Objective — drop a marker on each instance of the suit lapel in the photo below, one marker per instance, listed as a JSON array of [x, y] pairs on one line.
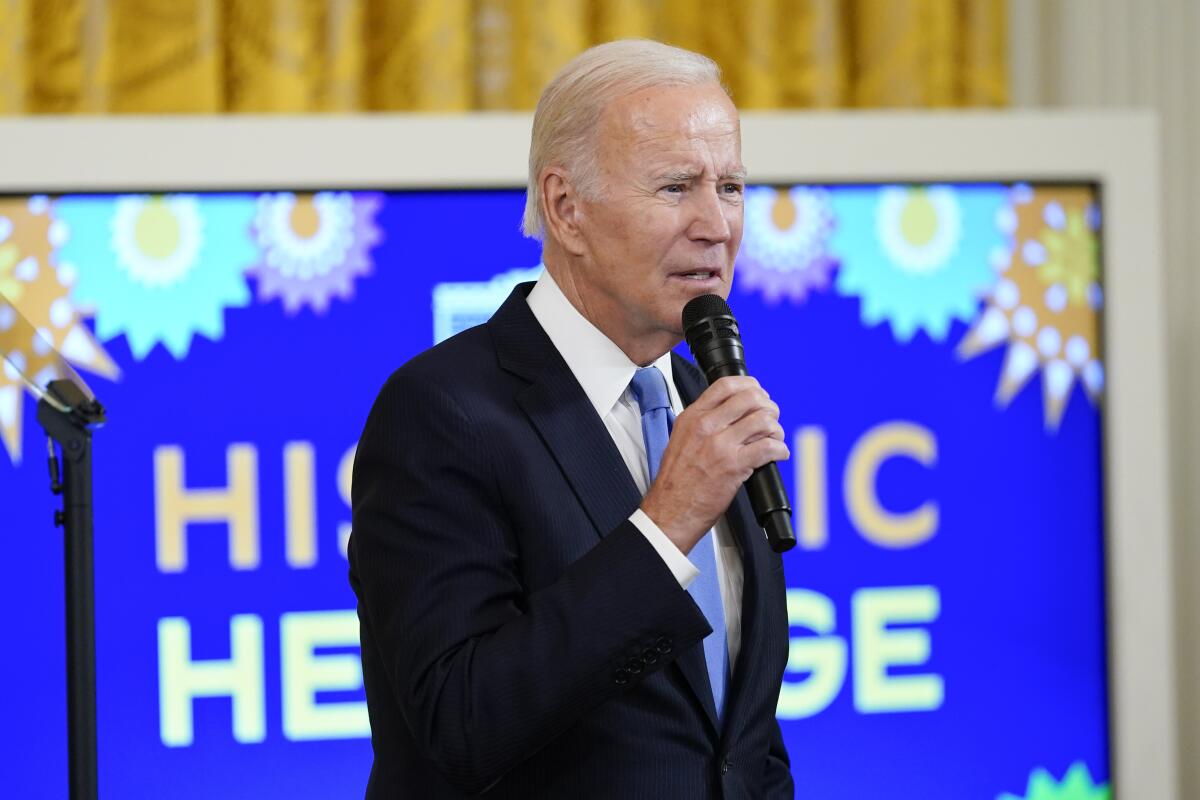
[[582, 446], [749, 537], [563, 416]]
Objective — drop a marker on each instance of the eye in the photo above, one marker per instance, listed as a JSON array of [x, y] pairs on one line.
[[732, 188], [673, 188]]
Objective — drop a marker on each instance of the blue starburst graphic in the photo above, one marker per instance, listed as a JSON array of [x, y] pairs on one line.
[[917, 257], [158, 269]]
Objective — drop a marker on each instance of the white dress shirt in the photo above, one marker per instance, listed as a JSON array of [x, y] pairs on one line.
[[604, 372]]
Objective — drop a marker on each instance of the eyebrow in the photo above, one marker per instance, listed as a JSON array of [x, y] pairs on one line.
[[685, 176]]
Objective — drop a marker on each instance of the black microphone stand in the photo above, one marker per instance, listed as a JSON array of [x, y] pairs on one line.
[[67, 415]]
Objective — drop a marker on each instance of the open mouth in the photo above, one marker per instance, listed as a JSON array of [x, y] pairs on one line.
[[698, 275]]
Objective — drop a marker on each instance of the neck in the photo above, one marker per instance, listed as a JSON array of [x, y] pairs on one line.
[[642, 349]]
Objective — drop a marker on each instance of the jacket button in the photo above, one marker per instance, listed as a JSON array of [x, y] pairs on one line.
[[663, 645], [726, 765], [621, 677], [650, 655], [635, 665]]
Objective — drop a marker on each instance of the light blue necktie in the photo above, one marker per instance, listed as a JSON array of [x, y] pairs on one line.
[[650, 390]]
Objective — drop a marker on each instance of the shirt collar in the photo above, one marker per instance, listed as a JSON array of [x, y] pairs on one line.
[[602, 368]]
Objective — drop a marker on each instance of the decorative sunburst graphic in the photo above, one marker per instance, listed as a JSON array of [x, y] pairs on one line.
[[1077, 784], [158, 269], [313, 246], [10, 257], [784, 246], [38, 289], [917, 257], [1046, 304]]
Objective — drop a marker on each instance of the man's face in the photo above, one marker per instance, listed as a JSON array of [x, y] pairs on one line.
[[668, 221]]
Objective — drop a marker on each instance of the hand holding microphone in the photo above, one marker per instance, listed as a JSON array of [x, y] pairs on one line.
[[729, 436]]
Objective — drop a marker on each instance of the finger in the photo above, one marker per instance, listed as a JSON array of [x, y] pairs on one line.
[[721, 390], [761, 453], [776, 434], [756, 425], [738, 405]]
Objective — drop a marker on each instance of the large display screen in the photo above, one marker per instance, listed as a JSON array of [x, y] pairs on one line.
[[935, 350]]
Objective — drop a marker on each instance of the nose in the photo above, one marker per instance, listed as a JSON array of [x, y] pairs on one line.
[[710, 223]]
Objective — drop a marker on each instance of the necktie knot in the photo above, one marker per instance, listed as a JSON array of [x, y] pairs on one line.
[[649, 387]]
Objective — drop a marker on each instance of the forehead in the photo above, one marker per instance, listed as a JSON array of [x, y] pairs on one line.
[[674, 123]]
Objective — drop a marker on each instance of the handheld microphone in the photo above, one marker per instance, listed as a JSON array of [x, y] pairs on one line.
[[712, 334]]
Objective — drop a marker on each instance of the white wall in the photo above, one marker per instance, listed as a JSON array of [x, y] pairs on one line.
[[1143, 53]]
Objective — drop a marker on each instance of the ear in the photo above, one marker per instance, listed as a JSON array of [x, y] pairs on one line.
[[561, 210]]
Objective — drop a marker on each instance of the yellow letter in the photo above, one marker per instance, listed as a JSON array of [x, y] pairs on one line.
[[236, 505], [344, 476], [301, 504], [809, 472], [873, 521]]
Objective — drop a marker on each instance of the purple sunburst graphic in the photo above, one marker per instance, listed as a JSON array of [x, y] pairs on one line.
[[313, 247], [784, 253]]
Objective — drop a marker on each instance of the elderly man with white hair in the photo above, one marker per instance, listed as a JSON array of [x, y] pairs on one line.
[[561, 586]]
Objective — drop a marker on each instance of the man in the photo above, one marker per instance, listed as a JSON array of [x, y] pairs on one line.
[[556, 600]]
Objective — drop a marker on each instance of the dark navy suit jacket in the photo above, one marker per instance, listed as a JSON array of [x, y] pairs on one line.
[[520, 637]]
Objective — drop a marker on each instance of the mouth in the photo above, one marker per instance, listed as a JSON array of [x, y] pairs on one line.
[[699, 277]]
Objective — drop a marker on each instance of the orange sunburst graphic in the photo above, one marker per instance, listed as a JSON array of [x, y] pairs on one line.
[[1046, 303], [31, 283]]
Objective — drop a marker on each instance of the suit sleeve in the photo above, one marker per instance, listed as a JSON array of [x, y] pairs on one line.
[[483, 672]]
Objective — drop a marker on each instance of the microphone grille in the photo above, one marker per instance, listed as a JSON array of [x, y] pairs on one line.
[[706, 305]]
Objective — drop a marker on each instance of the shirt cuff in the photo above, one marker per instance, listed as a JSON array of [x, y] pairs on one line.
[[684, 571]]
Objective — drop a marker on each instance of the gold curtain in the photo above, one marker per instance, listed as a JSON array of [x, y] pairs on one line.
[[205, 56]]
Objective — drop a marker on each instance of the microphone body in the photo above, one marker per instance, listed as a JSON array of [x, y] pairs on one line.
[[716, 344]]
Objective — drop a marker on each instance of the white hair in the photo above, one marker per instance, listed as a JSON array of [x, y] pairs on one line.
[[570, 108]]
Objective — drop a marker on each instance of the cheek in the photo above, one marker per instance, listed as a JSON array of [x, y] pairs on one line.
[[626, 233], [735, 230], [736, 216], [645, 243], [664, 229]]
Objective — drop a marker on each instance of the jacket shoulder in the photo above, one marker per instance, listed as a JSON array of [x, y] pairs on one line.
[[467, 355]]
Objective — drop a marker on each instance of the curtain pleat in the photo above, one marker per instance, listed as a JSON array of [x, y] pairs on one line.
[[740, 35], [627, 19], [814, 57], [983, 75], [419, 55], [66, 56], [14, 55], [205, 56], [165, 56], [546, 35], [293, 55]]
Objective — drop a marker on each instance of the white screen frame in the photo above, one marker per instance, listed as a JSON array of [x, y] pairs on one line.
[[1117, 150]]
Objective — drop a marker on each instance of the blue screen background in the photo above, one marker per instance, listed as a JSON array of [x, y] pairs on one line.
[[1015, 562]]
